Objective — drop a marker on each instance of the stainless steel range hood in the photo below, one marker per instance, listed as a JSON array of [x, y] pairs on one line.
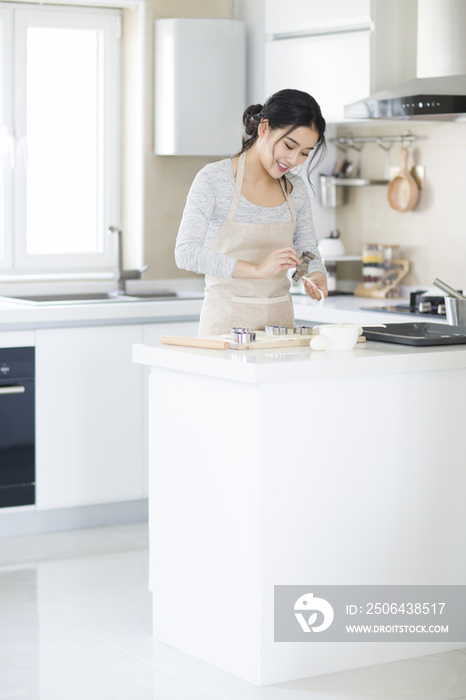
[[439, 91], [423, 98]]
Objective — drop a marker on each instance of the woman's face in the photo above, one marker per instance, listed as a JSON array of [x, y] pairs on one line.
[[280, 153]]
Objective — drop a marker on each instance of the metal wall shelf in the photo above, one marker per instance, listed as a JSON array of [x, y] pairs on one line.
[[332, 194], [349, 140], [352, 181]]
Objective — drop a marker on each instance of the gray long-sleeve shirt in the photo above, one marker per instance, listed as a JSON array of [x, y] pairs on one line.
[[207, 207]]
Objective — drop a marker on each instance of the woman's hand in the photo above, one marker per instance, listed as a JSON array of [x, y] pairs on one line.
[[282, 259], [319, 282]]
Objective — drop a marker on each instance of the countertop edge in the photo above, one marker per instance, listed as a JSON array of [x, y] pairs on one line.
[[303, 363], [81, 323]]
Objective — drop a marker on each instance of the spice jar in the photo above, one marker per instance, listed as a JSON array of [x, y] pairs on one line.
[[389, 251], [373, 263]]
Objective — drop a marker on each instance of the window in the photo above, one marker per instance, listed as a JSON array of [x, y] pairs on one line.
[[60, 137]]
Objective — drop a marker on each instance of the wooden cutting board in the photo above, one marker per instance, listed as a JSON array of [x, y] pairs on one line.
[[225, 342], [264, 341]]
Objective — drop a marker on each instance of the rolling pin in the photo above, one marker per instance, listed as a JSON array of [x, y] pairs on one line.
[[194, 342], [207, 344]]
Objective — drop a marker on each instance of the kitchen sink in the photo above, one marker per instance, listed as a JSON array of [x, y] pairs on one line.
[[160, 295]]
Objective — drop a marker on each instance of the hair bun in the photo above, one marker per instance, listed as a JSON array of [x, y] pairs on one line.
[[255, 109], [250, 118], [251, 112]]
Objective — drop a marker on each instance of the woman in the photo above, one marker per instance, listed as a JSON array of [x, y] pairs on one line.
[[247, 220]]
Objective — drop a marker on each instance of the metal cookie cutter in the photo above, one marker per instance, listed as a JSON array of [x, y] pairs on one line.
[[303, 330], [303, 266], [276, 330], [244, 337]]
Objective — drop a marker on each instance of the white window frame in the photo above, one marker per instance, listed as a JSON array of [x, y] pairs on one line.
[[109, 22]]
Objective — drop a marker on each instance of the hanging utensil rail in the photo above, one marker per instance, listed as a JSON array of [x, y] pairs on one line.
[[349, 139], [344, 143]]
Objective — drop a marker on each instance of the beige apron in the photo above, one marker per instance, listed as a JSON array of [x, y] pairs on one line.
[[251, 303]]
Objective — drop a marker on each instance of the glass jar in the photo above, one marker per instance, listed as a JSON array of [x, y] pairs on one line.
[[389, 251], [373, 263]]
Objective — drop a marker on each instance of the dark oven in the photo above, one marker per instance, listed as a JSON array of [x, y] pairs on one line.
[[17, 427]]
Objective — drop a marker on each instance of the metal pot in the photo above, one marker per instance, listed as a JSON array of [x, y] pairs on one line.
[[331, 195], [456, 311]]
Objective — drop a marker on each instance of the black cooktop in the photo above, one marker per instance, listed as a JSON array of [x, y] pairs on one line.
[[419, 305], [404, 309]]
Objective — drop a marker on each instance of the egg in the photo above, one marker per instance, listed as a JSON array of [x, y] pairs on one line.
[[319, 342]]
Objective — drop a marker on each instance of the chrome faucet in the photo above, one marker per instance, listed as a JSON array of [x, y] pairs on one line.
[[120, 274]]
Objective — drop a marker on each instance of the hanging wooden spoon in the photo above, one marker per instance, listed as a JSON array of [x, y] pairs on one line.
[[403, 190]]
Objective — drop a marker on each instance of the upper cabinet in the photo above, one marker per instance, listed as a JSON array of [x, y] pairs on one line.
[[315, 64], [339, 51], [316, 16], [200, 86]]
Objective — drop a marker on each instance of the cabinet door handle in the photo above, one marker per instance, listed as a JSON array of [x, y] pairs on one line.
[[12, 389]]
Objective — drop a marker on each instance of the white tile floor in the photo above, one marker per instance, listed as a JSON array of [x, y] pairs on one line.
[[75, 623]]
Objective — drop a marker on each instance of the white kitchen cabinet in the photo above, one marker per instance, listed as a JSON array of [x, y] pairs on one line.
[[150, 336], [333, 68], [17, 339], [315, 15], [89, 416], [200, 86], [339, 51]]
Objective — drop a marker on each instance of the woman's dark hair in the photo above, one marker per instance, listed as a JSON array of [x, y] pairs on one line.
[[286, 108]]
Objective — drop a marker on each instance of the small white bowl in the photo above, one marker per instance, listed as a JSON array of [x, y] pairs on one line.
[[341, 337]]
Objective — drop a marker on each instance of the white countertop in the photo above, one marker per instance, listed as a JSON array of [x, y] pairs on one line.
[[340, 309], [299, 364], [348, 309], [23, 316]]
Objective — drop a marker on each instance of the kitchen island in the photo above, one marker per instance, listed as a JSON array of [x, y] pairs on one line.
[[291, 466]]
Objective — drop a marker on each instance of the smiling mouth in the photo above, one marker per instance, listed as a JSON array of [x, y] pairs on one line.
[[281, 167]]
